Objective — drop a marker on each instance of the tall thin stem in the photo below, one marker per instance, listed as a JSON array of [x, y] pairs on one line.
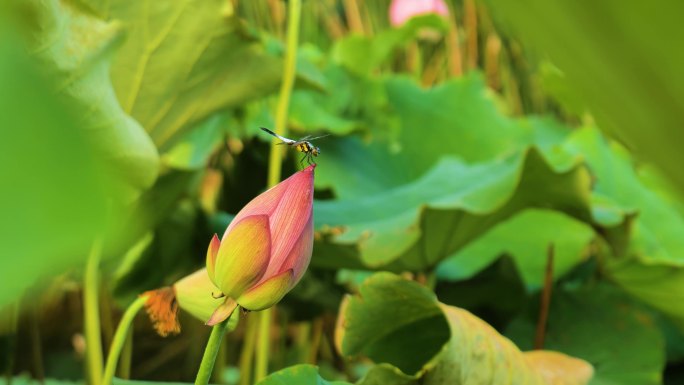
[[274, 169], [315, 341], [470, 24], [91, 314], [274, 161], [545, 300], [248, 350], [210, 353], [263, 345], [119, 339], [124, 367]]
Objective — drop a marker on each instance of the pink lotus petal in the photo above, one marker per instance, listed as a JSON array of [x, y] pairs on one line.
[[263, 204], [299, 257], [212, 251], [267, 202], [289, 219]]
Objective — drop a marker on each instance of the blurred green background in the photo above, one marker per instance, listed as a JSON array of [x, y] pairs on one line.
[[463, 147]]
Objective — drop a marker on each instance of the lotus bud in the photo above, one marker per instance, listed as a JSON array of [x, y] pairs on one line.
[[265, 249]]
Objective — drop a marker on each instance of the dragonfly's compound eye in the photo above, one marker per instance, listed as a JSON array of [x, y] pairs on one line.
[[317, 151]]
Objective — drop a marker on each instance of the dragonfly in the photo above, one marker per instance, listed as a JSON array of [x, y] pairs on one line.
[[302, 145]]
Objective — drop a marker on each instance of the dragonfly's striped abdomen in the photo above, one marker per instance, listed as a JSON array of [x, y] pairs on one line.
[[304, 147]]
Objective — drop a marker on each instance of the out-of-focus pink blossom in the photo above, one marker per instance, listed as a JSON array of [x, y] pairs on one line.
[[265, 249], [402, 10]]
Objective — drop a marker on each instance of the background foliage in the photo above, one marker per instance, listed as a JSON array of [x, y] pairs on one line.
[[461, 150]]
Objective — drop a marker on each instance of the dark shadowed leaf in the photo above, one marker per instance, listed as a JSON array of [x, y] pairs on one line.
[[651, 261], [602, 326]]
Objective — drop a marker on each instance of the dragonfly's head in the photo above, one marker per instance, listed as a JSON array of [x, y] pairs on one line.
[[315, 151]]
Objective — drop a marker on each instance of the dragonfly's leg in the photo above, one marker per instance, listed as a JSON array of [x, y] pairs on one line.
[[301, 161]]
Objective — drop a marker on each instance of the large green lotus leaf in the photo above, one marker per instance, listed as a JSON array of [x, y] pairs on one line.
[[418, 224], [457, 118], [617, 57], [53, 200], [183, 61], [601, 325], [526, 238], [76, 49], [416, 340], [658, 226], [298, 374], [650, 247]]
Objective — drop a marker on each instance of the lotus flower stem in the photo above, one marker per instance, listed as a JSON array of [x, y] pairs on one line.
[[210, 353], [119, 339], [274, 169], [91, 314]]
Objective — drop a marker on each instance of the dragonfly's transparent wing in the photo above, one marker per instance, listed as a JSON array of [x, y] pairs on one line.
[[284, 139], [310, 138]]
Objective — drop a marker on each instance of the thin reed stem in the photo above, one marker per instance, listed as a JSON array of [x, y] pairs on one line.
[[119, 340], [91, 314], [274, 169]]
